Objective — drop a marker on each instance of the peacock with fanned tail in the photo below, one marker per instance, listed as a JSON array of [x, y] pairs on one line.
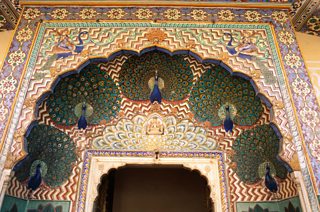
[[82, 123], [155, 93]]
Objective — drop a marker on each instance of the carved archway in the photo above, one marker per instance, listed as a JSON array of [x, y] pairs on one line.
[[209, 167], [276, 105], [106, 189]]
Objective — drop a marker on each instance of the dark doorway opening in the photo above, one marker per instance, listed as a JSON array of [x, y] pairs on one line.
[[153, 188]]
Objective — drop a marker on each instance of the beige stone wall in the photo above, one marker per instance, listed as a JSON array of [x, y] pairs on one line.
[[5, 39], [310, 48]]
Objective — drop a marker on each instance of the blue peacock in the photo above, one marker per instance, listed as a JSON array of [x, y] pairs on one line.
[[155, 93], [82, 123], [228, 123], [35, 181], [269, 181]]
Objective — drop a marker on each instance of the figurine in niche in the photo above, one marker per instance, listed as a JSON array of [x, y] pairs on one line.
[[155, 127]]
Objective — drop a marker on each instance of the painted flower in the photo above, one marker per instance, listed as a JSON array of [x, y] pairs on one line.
[[252, 16], [286, 37], [156, 36], [315, 150], [198, 15], [2, 20], [309, 116], [3, 112], [116, 13], [144, 13], [226, 15], [87, 13], [307, 132], [8, 84], [280, 16], [314, 24], [16, 58], [293, 60], [172, 14], [24, 34], [31, 13], [59, 13], [300, 87]]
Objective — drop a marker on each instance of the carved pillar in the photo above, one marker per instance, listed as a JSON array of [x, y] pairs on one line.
[[303, 195], [4, 181]]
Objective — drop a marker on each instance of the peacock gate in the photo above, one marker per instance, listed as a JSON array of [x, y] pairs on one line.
[[157, 108]]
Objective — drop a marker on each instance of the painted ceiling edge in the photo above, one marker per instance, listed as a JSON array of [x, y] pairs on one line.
[[304, 12], [244, 5]]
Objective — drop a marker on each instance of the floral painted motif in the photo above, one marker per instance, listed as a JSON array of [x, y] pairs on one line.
[[314, 24], [144, 13], [252, 15], [156, 36], [8, 84], [315, 150], [31, 13], [293, 60], [172, 14], [280, 16], [226, 15], [286, 37], [309, 117], [198, 15], [16, 58], [59, 13], [300, 87], [24, 34], [116, 13], [87, 13]]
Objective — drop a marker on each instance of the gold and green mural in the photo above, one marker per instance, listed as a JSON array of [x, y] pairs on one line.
[[206, 59]]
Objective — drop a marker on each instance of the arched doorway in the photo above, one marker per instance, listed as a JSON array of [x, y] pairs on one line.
[[142, 188]]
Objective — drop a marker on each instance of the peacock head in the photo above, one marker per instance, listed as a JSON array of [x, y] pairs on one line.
[[84, 106], [267, 168], [38, 168], [227, 108], [156, 75]]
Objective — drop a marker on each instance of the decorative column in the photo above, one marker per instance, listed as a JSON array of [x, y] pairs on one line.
[[303, 195], [4, 181]]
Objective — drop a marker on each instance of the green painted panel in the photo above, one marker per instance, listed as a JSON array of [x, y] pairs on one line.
[[290, 205], [42, 205], [284, 204], [13, 204]]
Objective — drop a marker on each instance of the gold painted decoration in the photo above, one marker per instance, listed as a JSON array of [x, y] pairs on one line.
[[155, 132]]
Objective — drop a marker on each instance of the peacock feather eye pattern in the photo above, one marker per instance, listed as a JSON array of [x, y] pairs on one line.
[[174, 70], [217, 88], [92, 86], [253, 148], [54, 148]]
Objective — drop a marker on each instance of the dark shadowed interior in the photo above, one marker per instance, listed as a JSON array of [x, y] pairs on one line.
[[153, 189]]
